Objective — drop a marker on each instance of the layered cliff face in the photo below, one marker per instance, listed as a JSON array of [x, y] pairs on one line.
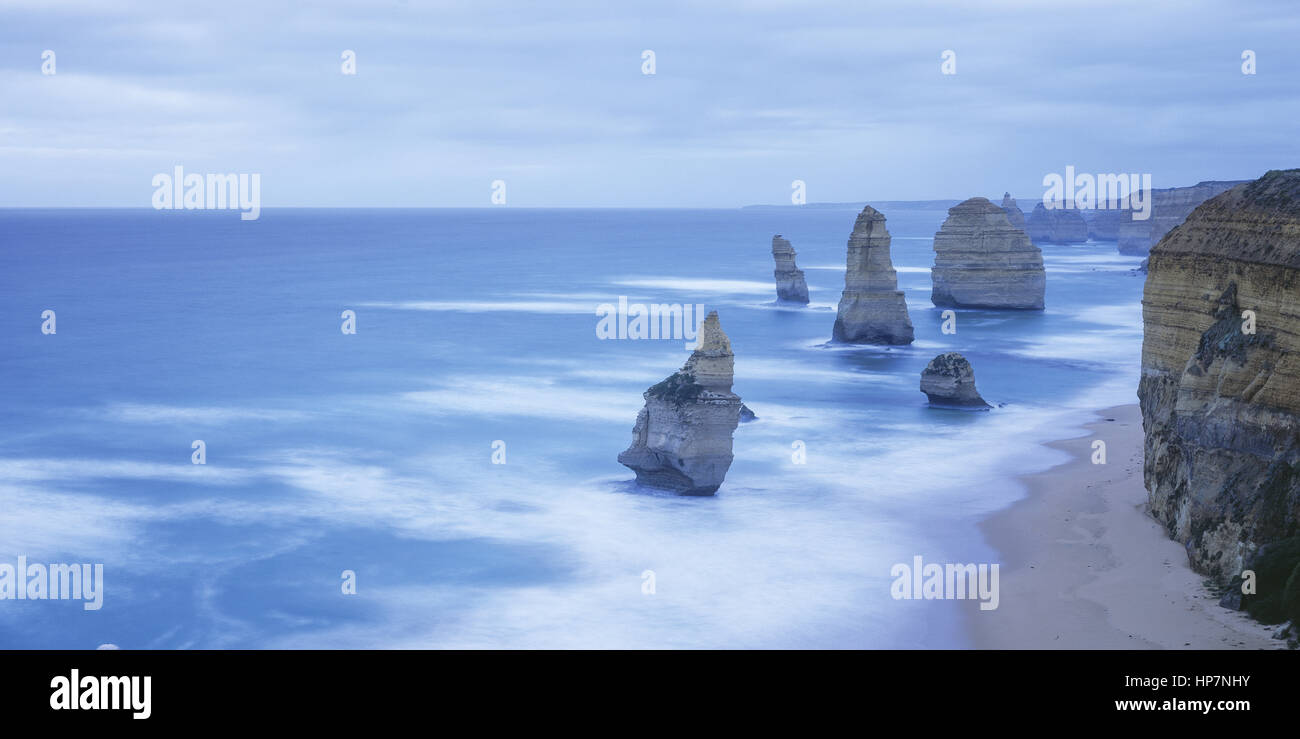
[[872, 309], [1169, 207], [790, 285], [1221, 397], [982, 261], [1059, 225], [1014, 214], [949, 381], [682, 437]]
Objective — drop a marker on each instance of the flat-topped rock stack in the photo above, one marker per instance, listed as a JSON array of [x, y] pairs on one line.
[[1062, 224], [982, 261], [790, 284], [682, 438], [872, 309]]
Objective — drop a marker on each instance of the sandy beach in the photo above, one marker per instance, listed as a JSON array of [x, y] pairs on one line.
[[1085, 567]]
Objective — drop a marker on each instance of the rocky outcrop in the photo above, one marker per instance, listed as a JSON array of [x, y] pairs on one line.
[[1221, 398], [1104, 223], [1169, 207], [1014, 214], [790, 285], [872, 308], [682, 437], [982, 261], [949, 382], [1063, 224]]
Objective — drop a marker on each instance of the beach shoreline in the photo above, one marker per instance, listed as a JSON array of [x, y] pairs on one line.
[[1083, 566]]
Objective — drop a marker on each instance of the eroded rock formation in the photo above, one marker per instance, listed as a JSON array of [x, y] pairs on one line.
[[790, 285], [949, 381], [1014, 214], [1063, 224], [1169, 207], [982, 261], [1104, 223], [872, 309], [1220, 391], [682, 437]]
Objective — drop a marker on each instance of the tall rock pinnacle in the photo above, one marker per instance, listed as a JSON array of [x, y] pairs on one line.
[[682, 437], [790, 285], [872, 308], [1014, 213]]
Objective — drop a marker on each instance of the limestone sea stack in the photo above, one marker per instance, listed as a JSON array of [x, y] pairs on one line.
[[872, 308], [1220, 397], [949, 382], [1169, 207], [682, 437], [1014, 214], [982, 261], [790, 285], [1063, 224]]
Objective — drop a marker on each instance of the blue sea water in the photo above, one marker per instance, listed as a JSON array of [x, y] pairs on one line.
[[372, 452]]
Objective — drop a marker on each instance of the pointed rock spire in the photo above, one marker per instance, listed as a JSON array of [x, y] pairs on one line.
[[872, 308], [790, 284], [682, 437]]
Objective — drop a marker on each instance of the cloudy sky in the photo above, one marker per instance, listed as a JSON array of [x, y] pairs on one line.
[[747, 96]]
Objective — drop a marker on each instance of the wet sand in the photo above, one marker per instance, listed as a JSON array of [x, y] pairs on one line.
[[1085, 567]]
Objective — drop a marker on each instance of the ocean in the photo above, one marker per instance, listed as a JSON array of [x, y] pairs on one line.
[[369, 457]]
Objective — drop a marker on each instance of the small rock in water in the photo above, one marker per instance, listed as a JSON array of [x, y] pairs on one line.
[[948, 381]]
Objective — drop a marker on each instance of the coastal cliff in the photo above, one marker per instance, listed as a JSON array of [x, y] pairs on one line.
[[872, 309], [682, 437], [982, 261], [1220, 391], [1169, 207], [790, 284]]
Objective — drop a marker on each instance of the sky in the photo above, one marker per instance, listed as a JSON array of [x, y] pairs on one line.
[[747, 96]]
